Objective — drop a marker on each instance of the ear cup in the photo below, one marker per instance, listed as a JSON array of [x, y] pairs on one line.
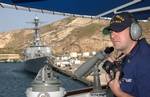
[[135, 31]]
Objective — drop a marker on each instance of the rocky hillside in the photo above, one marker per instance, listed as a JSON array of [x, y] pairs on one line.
[[67, 35]]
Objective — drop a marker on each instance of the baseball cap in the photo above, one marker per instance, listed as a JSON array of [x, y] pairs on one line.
[[121, 21]]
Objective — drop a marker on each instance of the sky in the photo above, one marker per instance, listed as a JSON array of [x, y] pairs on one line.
[[11, 19]]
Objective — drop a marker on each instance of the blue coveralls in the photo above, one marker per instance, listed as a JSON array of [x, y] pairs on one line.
[[136, 70]]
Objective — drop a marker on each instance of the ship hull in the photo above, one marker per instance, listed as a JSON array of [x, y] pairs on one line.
[[34, 65]]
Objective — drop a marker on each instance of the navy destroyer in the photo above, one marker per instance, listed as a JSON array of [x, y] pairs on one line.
[[37, 54]]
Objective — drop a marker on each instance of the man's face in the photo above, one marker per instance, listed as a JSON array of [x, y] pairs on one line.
[[121, 40]]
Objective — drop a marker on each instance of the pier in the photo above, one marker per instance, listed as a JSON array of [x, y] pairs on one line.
[[9, 57]]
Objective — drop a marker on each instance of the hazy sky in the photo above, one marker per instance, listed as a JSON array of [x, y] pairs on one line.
[[11, 19]]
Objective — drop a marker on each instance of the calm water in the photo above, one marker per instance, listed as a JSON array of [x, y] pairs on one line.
[[14, 80]]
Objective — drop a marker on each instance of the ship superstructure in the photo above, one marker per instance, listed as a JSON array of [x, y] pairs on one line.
[[37, 54]]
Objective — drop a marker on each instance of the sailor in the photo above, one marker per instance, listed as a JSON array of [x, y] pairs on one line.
[[125, 34]]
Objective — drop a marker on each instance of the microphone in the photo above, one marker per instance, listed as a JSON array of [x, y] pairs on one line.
[[88, 65]]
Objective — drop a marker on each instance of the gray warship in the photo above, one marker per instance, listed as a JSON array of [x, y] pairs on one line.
[[37, 54]]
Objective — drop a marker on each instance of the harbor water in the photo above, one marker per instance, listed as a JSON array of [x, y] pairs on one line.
[[14, 80]]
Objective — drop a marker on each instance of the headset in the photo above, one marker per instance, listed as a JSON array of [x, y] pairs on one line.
[[135, 30]]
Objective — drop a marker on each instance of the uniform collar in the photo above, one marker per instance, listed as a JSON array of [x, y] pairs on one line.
[[136, 48]]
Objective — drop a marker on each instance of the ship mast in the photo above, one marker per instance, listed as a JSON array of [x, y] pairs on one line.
[[37, 39]]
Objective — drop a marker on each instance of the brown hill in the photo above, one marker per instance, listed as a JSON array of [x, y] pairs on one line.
[[67, 35]]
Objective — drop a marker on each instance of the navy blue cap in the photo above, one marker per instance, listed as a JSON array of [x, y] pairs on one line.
[[121, 21]]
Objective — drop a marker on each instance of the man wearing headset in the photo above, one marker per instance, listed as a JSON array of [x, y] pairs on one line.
[[125, 34]]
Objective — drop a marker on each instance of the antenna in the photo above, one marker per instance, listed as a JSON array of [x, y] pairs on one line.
[[37, 39]]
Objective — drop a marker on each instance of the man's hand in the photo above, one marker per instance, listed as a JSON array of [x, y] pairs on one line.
[[115, 86]]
